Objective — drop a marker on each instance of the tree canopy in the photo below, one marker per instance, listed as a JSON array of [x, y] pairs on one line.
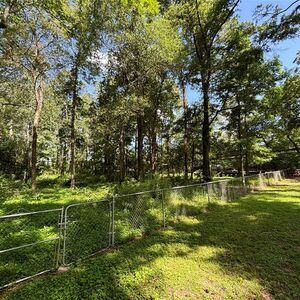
[[100, 88]]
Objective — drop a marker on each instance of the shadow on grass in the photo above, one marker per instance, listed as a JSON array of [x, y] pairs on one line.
[[260, 239]]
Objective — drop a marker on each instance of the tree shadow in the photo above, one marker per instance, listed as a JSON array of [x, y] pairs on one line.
[[259, 238]]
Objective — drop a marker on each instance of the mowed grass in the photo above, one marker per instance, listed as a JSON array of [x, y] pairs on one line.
[[248, 249]]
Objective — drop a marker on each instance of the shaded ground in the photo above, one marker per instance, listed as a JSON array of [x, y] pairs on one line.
[[249, 249]]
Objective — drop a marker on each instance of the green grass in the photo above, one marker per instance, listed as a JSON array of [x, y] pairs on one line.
[[88, 225], [52, 192], [247, 249]]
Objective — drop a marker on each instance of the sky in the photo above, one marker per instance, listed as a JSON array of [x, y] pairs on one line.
[[286, 50]]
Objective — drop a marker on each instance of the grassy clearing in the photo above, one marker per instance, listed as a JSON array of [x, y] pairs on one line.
[[248, 249], [88, 225], [53, 193]]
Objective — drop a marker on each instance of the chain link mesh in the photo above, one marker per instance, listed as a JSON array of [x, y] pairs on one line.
[[87, 230], [184, 201], [137, 214], [28, 244]]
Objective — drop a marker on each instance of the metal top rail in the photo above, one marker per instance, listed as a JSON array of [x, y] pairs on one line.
[[185, 186], [135, 194], [30, 213]]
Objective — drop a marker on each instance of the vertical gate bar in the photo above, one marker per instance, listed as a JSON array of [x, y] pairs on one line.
[[65, 236], [60, 228]]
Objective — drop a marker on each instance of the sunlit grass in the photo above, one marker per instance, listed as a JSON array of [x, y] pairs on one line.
[[248, 249]]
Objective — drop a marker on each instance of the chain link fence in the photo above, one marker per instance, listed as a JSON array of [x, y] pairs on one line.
[[29, 244], [37, 242], [87, 230], [136, 214]]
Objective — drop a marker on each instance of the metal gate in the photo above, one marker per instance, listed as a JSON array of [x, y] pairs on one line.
[[87, 230], [29, 244]]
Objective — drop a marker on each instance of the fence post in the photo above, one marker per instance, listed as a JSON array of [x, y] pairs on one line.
[[113, 222], [65, 221], [61, 229], [207, 188]]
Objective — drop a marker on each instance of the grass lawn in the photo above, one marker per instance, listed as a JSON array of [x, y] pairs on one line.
[[248, 249]]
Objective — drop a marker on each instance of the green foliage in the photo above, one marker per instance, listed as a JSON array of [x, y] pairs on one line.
[[112, 75]]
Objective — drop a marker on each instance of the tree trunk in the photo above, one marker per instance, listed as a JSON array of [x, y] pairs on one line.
[[27, 158], [35, 127], [153, 152], [122, 155], [94, 160], [168, 153], [73, 117], [63, 157], [58, 159], [206, 132], [246, 145], [135, 153], [154, 144], [241, 151], [140, 148], [185, 138], [109, 156], [192, 160], [247, 161]]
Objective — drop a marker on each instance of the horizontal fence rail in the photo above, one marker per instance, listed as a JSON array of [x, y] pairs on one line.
[[33, 243], [29, 244], [87, 228]]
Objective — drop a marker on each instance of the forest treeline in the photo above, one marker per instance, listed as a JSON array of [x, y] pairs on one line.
[[100, 87]]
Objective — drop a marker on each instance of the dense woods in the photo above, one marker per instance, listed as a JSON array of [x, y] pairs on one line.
[[100, 87]]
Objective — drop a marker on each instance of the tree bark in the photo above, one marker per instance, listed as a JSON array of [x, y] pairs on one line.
[[63, 154], [35, 127], [122, 155], [140, 137], [154, 144], [135, 153], [206, 132], [241, 150], [73, 117], [154, 152], [185, 134], [168, 153], [192, 160], [27, 158], [246, 146], [58, 158]]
